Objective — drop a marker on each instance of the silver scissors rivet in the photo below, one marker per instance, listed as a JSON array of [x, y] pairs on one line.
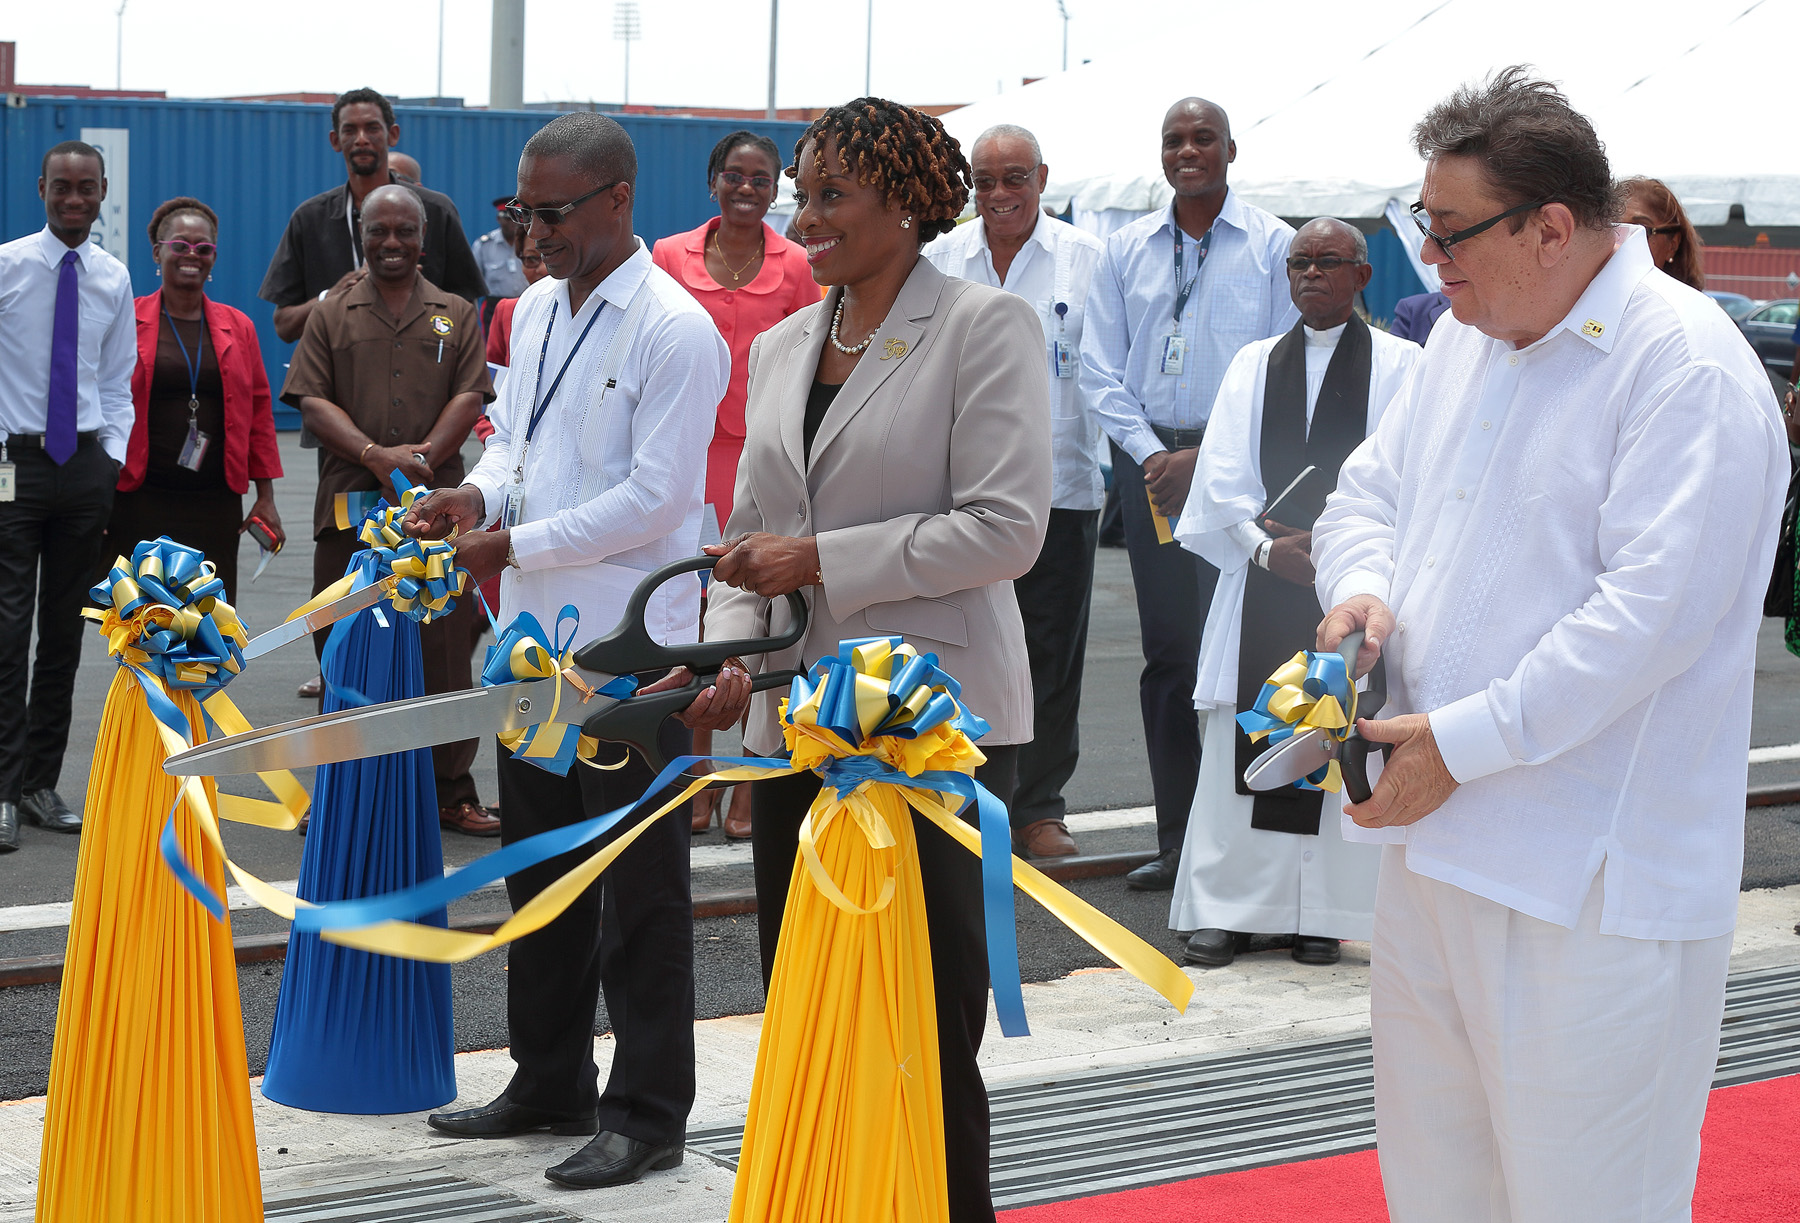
[[524, 704]]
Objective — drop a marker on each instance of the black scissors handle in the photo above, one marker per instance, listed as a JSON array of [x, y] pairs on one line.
[[1353, 762], [630, 650], [637, 720]]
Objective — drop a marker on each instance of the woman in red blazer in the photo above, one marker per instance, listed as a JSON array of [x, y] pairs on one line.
[[204, 427]]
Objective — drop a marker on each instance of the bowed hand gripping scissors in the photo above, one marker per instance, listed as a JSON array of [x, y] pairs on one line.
[[572, 694], [1304, 754]]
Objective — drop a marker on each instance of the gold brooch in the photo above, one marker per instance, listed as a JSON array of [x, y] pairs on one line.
[[1593, 327], [893, 350]]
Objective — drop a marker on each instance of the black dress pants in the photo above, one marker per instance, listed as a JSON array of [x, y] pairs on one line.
[[1053, 600], [951, 878], [446, 648], [1174, 591], [629, 936], [49, 555]]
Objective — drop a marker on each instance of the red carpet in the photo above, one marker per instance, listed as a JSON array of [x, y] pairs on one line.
[[1748, 1174]]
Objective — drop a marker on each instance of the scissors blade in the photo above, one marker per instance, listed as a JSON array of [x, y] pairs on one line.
[[397, 726], [262, 564], [319, 617], [1291, 759]]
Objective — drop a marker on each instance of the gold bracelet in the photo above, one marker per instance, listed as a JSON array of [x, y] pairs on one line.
[[365, 452]]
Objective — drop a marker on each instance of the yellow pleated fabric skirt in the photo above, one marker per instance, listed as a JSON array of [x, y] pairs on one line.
[[846, 1119], [148, 1118]]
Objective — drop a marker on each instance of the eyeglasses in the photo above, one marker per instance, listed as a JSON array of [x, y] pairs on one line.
[[731, 178], [180, 246], [531, 259], [1015, 181], [519, 214], [1446, 241], [1653, 230], [1325, 263]]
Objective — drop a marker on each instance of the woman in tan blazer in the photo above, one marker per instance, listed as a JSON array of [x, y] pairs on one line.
[[896, 472]]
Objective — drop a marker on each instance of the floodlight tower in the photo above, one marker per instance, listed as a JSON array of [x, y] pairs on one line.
[[627, 29]]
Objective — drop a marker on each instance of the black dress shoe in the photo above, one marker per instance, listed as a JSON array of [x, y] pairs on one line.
[[503, 1119], [46, 809], [9, 827], [1311, 949], [1214, 948], [1156, 875], [613, 1159]]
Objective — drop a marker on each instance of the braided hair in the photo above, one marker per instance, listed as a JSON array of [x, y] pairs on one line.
[[738, 139], [903, 151], [181, 203]]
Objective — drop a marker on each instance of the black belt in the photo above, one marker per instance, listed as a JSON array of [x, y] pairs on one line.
[[1179, 439], [35, 441]]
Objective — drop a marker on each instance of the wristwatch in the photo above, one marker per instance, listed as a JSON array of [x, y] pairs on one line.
[[512, 560], [1261, 556]]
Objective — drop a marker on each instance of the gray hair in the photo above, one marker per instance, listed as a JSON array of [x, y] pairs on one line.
[[1531, 144], [1362, 242], [597, 146], [395, 191], [1009, 131]]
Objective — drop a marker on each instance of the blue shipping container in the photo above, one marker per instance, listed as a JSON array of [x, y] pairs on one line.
[[252, 162]]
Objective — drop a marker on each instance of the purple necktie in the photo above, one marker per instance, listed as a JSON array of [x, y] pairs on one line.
[[65, 337]]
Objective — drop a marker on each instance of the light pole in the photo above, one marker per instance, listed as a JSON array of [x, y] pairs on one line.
[[627, 30], [119, 53], [774, 15], [1063, 9], [440, 84], [868, 46]]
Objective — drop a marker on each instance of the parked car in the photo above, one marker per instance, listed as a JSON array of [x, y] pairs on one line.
[[1770, 330], [1734, 304]]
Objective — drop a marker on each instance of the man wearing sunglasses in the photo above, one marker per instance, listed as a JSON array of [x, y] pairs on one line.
[[1277, 863], [1011, 244], [1558, 540]]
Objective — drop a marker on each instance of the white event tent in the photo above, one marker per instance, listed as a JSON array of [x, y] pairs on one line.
[[1323, 96]]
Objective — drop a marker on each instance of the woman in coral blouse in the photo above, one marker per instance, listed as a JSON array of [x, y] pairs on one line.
[[748, 277], [204, 429]]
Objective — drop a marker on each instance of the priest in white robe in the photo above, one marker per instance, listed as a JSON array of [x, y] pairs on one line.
[[1277, 863]]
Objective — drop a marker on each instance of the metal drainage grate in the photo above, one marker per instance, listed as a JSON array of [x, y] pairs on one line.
[[1109, 1130], [415, 1197]]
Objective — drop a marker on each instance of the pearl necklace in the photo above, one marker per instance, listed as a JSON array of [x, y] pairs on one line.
[[848, 351]]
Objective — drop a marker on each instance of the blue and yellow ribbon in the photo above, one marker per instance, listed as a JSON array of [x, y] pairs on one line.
[[1310, 690], [878, 713], [165, 620], [524, 652]]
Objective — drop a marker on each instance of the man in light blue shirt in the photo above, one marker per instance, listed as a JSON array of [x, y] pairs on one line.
[[1176, 294]]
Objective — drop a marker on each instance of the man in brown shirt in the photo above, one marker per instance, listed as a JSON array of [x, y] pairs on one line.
[[391, 375]]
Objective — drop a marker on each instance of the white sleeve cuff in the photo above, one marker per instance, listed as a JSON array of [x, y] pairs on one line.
[[492, 497], [1358, 582], [1469, 739], [1248, 536], [530, 541]]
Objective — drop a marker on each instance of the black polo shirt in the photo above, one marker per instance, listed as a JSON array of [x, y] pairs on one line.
[[316, 248]]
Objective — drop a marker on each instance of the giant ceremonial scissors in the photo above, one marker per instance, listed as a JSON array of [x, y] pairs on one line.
[[1304, 754], [574, 692]]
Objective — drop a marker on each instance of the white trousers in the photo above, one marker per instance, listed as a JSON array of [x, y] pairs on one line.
[[1235, 877], [1526, 1073]]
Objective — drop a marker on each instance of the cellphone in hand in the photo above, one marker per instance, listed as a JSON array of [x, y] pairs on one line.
[[263, 534]]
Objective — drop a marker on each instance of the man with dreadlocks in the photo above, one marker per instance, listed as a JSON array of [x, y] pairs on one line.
[[897, 472]]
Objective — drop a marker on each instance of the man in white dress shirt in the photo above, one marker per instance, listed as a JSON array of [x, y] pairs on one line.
[[1558, 539], [68, 344], [1012, 245], [595, 467], [1176, 294], [1277, 863]]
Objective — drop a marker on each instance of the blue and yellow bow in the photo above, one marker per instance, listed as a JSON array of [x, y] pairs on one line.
[[525, 651], [1310, 690]]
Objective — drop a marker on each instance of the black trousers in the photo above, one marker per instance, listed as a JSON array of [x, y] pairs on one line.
[[630, 936], [1053, 600], [1174, 590], [446, 648], [951, 877], [49, 555]]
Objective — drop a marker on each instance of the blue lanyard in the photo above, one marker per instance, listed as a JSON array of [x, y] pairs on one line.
[[1182, 291], [193, 362], [538, 408]]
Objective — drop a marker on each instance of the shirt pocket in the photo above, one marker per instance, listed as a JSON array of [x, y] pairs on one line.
[[1236, 304], [931, 619], [95, 319]]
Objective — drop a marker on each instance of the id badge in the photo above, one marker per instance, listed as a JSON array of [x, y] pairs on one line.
[[514, 512], [1173, 353], [7, 487], [193, 451], [1062, 353]]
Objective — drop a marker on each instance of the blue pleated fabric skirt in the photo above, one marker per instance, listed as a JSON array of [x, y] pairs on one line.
[[357, 1032]]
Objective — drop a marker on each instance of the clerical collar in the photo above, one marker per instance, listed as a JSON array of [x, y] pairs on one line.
[[1327, 338]]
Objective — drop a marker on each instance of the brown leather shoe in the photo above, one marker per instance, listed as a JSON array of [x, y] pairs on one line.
[[1046, 839], [705, 805], [737, 814], [311, 689], [470, 819]]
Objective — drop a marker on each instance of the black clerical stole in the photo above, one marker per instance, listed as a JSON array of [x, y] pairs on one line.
[[1279, 617]]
